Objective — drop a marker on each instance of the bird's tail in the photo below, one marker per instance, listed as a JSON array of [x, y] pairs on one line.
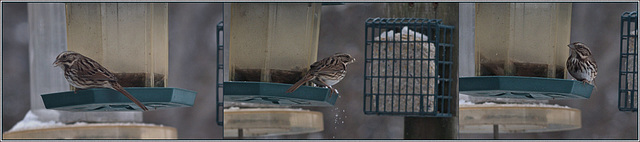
[[297, 85], [116, 86]]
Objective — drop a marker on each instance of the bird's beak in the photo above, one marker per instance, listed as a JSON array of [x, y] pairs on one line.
[[571, 46], [56, 63]]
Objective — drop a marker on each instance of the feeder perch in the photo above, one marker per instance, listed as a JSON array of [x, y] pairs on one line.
[[524, 87], [102, 99], [274, 93]]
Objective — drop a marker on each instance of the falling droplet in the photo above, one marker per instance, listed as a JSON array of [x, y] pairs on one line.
[[342, 122], [343, 110]]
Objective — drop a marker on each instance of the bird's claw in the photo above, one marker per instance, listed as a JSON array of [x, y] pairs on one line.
[[333, 91]]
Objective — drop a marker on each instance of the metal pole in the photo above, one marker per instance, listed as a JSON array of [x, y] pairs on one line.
[[495, 131]]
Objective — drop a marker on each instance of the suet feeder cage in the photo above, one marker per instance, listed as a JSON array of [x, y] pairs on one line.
[[521, 41], [271, 46], [628, 81], [407, 67], [131, 41], [219, 71]]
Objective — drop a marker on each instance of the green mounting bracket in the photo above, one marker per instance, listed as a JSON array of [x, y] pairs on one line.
[[103, 99], [274, 94], [524, 87]]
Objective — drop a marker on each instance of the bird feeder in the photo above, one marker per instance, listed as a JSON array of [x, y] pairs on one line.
[[131, 41], [518, 42], [272, 44], [48, 29], [518, 39], [520, 55]]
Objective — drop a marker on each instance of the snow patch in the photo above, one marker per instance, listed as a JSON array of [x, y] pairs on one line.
[[31, 122]]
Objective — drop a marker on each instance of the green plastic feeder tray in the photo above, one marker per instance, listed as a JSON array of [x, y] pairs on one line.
[[103, 99], [524, 87], [274, 93]]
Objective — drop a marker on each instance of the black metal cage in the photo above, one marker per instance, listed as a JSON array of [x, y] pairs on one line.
[[628, 80], [219, 71], [407, 67]]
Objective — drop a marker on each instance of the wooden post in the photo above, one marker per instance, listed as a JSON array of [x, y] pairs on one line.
[[433, 127]]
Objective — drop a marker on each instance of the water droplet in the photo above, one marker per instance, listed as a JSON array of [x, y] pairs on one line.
[[342, 122], [343, 110], [336, 115]]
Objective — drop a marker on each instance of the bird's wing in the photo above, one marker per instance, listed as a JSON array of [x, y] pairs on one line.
[[326, 65], [93, 70]]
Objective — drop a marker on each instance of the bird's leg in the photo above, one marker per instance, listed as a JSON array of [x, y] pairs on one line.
[[75, 90], [584, 82], [330, 88]]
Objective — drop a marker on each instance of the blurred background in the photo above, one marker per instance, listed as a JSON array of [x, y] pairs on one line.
[[192, 66]]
